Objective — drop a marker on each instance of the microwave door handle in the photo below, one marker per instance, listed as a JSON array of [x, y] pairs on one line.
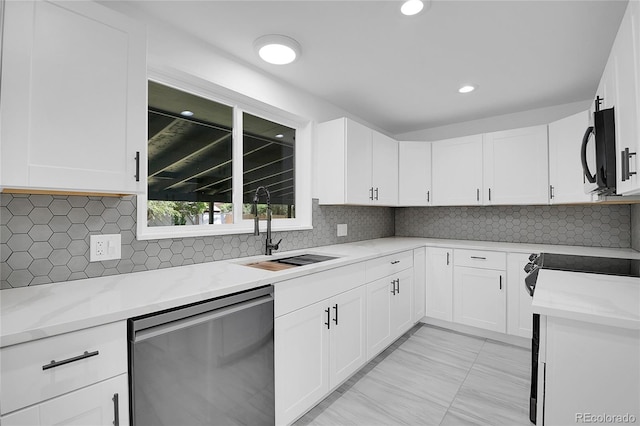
[[583, 156]]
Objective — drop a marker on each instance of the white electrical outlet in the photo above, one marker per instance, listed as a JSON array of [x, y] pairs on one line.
[[105, 247], [342, 230]]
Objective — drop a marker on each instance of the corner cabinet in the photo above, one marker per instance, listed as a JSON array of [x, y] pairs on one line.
[[73, 98], [515, 164], [356, 165], [414, 174]]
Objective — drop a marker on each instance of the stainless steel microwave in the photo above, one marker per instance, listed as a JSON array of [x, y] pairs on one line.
[[598, 153]]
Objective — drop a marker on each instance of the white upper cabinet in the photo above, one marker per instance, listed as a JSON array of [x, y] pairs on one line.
[[414, 173], [566, 179], [457, 171], [624, 69], [356, 165], [516, 166], [73, 98]]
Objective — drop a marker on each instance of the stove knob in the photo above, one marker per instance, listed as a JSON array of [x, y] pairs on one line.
[[533, 257], [529, 267]]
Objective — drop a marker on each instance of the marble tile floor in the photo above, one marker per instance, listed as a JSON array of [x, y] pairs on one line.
[[433, 376]]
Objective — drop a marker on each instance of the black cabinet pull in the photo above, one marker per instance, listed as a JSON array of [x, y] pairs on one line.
[[428, 196], [336, 313], [551, 192], [328, 323], [371, 193], [393, 287], [479, 257], [500, 282], [54, 363], [447, 258], [478, 194], [489, 194], [394, 262], [625, 163], [137, 166], [116, 410], [376, 193], [398, 284]]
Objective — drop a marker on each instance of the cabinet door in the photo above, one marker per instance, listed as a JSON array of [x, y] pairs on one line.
[[457, 171], [347, 334], [73, 97], [378, 315], [358, 187], [566, 179], [414, 173], [301, 360], [479, 298], [516, 166], [625, 56], [401, 304], [519, 311], [439, 285], [419, 283], [384, 170], [98, 404]]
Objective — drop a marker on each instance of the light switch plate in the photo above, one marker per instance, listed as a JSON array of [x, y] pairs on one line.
[[342, 230], [105, 247]]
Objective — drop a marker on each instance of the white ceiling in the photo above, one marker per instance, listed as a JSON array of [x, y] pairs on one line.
[[402, 73]]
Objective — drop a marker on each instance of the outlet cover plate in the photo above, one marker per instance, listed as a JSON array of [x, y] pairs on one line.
[[105, 247], [342, 230]]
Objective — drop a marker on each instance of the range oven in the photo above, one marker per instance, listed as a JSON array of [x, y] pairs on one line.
[[571, 263]]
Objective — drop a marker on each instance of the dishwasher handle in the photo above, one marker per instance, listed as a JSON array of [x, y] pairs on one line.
[[148, 333]]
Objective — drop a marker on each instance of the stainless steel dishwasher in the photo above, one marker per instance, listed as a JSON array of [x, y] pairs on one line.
[[209, 363]]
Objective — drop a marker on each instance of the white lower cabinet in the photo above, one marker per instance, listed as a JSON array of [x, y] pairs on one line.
[[388, 310], [316, 348], [105, 403], [479, 289], [439, 283], [419, 283], [519, 312]]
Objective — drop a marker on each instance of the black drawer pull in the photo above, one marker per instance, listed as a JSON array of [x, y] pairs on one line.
[[395, 262], [116, 410], [137, 158], [54, 363], [479, 257]]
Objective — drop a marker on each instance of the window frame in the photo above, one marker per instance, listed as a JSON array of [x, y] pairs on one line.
[[240, 105]]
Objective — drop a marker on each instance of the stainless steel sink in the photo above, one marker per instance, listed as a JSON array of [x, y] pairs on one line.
[[290, 262]]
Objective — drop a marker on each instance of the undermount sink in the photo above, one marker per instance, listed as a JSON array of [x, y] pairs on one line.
[[290, 262]]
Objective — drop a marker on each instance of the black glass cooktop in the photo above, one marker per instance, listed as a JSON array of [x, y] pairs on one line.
[[589, 264]]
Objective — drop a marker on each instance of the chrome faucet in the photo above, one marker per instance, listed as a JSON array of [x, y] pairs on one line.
[[268, 246]]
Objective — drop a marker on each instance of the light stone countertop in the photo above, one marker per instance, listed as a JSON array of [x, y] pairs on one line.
[[595, 298], [32, 313]]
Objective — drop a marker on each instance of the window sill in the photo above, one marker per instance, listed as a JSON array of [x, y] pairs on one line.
[[164, 232]]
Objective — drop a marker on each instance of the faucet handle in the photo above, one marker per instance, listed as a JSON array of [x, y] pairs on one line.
[[276, 246]]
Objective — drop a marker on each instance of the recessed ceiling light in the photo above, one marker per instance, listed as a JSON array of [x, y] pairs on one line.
[[277, 49], [466, 89], [279, 136], [411, 7], [187, 113]]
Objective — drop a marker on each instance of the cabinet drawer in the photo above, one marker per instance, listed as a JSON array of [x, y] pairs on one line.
[[29, 377], [480, 259], [387, 265], [303, 291]]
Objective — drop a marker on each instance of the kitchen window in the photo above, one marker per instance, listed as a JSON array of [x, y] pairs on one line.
[[207, 155]]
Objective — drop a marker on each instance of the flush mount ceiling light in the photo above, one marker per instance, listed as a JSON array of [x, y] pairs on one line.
[[467, 88], [411, 7], [277, 49]]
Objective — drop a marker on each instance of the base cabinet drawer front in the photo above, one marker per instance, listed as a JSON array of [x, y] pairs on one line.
[[479, 298], [387, 265], [299, 292], [480, 259], [102, 404], [80, 358]]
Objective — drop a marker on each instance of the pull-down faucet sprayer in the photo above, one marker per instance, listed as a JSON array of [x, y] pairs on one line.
[[269, 246]]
